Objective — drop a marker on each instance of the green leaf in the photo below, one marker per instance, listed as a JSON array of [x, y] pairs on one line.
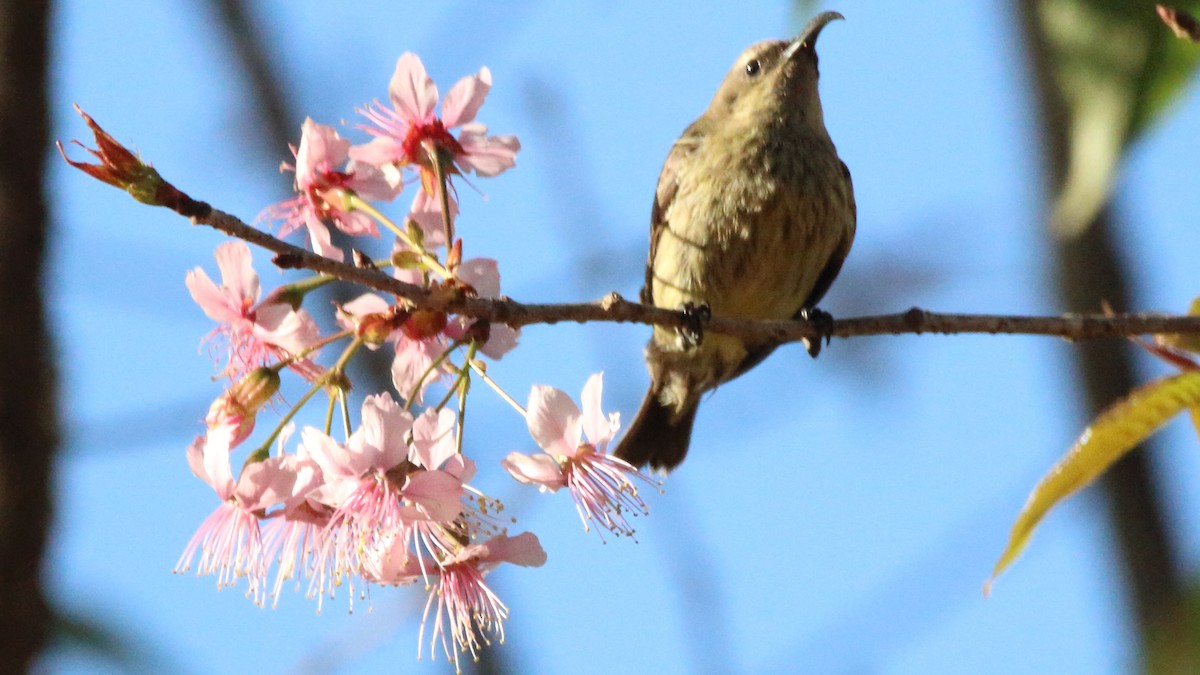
[[1115, 432], [1116, 68]]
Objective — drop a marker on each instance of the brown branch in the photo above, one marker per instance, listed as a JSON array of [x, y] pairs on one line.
[[615, 308]]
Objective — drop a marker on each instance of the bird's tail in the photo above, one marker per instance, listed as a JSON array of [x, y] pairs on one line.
[[660, 433]]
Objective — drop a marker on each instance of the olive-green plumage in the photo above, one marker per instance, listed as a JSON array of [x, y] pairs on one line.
[[753, 216]]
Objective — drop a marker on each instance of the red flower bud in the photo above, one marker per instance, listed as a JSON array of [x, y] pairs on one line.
[[121, 168], [423, 324]]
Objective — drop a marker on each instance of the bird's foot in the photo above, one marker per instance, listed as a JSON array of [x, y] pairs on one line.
[[823, 322], [692, 332]]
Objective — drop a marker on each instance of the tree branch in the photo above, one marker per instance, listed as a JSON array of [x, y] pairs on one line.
[[615, 308]]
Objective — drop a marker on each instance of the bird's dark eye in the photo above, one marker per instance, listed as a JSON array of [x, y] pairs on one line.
[[753, 67]]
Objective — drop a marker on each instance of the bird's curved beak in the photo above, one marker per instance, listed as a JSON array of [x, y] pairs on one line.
[[808, 36]]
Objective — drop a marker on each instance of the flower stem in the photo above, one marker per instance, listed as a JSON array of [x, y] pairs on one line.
[[304, 353], [329, 414], [482, 371], [264, 450], [355, 202], [345, 401], [439, 171], [331, 376], [462, 398], [462, 374], [437, 363]]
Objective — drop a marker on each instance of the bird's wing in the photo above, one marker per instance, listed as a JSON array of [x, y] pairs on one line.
[[668, 183], [834, 264]]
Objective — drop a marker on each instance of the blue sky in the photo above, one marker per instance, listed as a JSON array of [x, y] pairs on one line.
[[834, 515]]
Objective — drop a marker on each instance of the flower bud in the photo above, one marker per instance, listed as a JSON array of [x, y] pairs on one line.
[[237, 407], [121, 168], [423, 324], [255, 389]]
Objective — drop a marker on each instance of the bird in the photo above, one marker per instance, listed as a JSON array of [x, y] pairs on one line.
[[753, 216]]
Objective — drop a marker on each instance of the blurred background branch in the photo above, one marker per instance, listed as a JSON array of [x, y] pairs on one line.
[[1103, 71]]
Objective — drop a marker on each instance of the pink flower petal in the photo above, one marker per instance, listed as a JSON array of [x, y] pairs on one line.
[[437, 492], [195, 459], [539, 469], [461, 467], [553, 420], [237, 273], [464, 99], [598, 428], [486, 155], [370, 183], [355, 223], [328, 454], [426, 210], [322, 242], [433, 438], [267, 483], [282, 326], [413, 359], [379, 151], [216, 304], [218, 443], [394, 565], [483, 274], [502, 339], [334, 492], [523, 549], [412, 91], [368, 303], [321, 150], [381, 438]]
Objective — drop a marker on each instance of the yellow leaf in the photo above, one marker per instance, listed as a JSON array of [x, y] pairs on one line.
[[1115, 432], [1189, 342]]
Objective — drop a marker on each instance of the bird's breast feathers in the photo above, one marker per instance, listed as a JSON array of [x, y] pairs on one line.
[[751, 243]]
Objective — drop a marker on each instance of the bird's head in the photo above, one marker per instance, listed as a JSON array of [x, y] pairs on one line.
[[775, 77]]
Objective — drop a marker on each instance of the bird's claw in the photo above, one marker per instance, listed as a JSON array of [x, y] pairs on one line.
[[823, 322], [692, 332]]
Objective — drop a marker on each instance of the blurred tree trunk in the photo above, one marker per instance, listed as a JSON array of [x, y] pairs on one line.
[[1088, 271], [28, 420]]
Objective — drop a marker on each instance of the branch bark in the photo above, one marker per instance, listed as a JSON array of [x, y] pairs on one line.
[[614, 308]]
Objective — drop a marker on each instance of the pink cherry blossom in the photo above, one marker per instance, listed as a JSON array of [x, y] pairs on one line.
[[465, 610], [229, 540], [292, 540], [438, 522], [407, 133], [413, 368], [442, 518], [416, 364], [420, 347], [483, 275], [291, 537], [599, 483], [320, 184], [356, 485], [254, 334], [384, 504]]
